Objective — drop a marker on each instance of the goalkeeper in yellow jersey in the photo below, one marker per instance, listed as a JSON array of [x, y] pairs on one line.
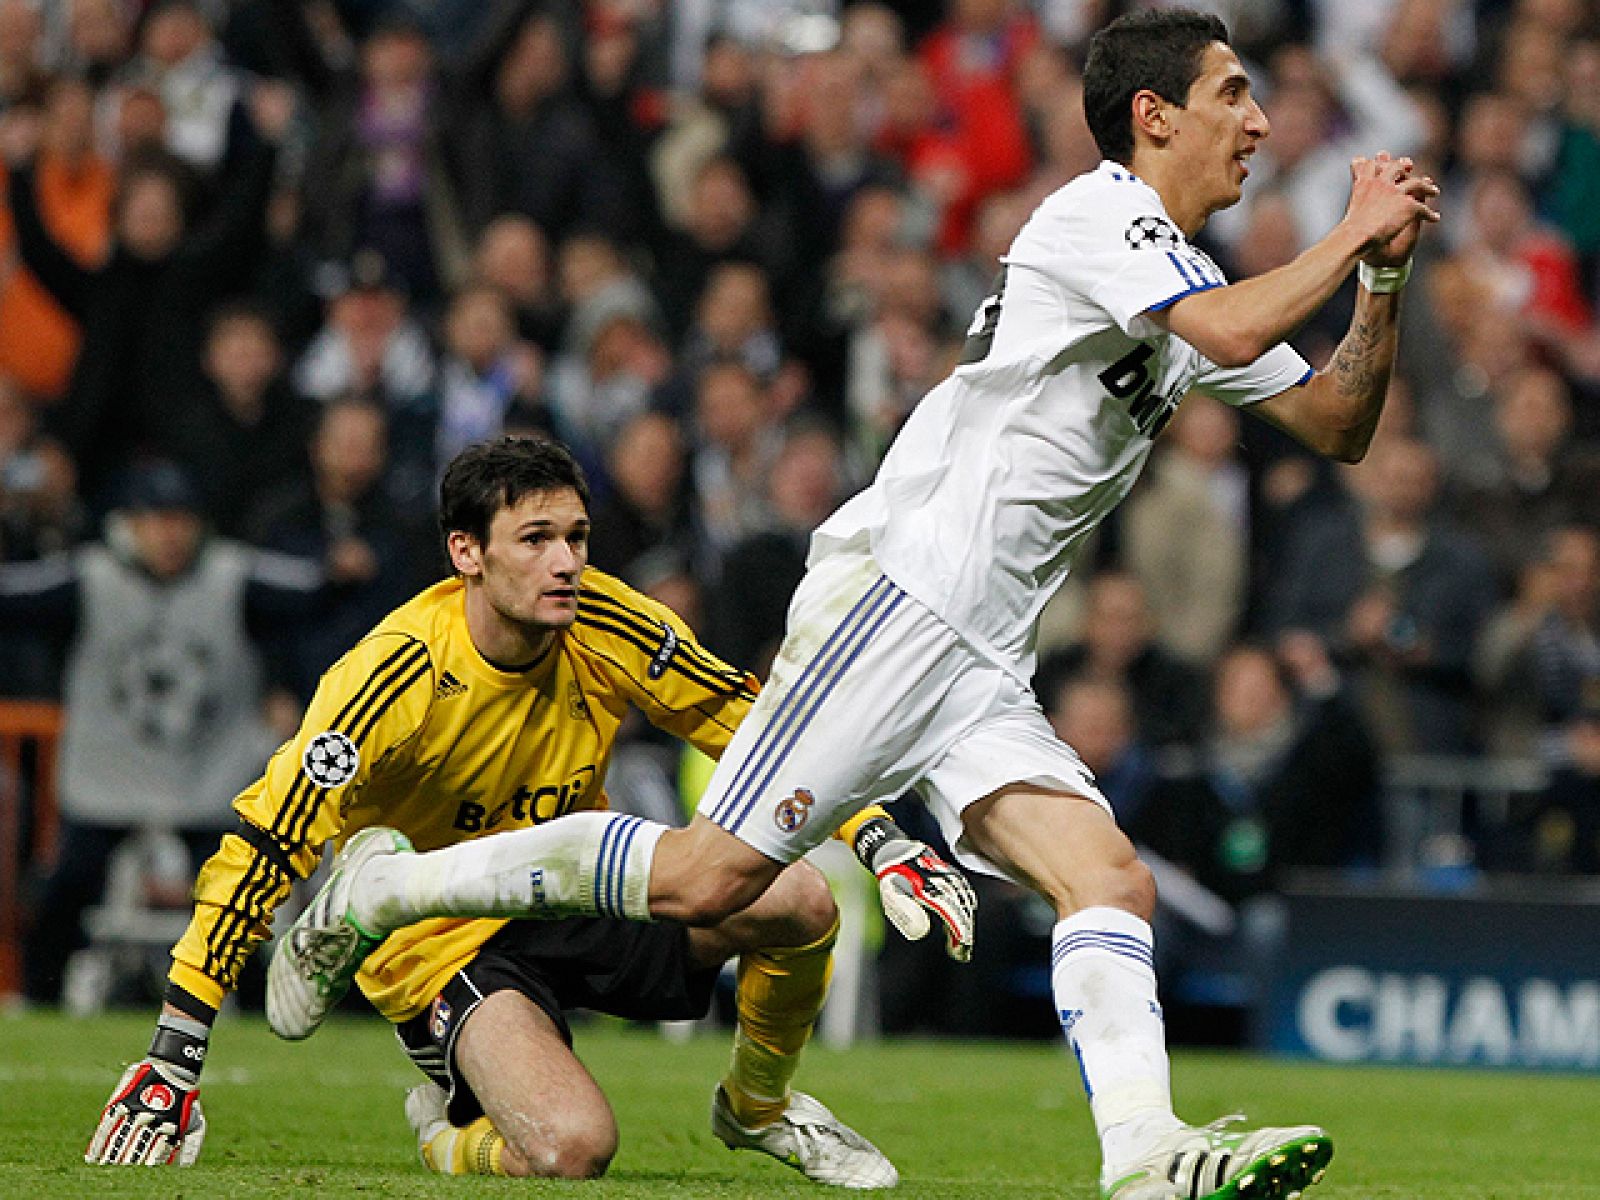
[[486, 706]]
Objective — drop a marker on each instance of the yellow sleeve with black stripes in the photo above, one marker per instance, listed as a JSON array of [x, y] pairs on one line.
[[651, 655], [368, 705]]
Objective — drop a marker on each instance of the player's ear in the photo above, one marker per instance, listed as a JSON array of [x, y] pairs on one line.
[[1150, 116], [465, 553]]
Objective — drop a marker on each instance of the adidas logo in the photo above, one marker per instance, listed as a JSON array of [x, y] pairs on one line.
[[449, 686]]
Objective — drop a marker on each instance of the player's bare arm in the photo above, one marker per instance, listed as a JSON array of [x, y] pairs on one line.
[[1336, 412], [1235, 325]]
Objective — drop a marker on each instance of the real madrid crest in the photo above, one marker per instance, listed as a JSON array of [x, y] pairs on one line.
[[794, 811]]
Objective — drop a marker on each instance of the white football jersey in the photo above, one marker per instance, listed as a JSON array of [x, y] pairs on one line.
[[1005, 468]]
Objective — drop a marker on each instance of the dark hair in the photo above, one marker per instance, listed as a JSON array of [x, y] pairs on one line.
[[489, 476], [1160, 51]]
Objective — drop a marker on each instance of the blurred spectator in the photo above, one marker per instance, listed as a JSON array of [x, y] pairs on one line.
[[737, 444], [99, 33], [734, 320], [379, 176], [1523, 269], [1459, 369], [39, 512], [38, 342], [1186, 531], [970, 280], [142, 312], [486, 371], [244, 430], [1536, 479], [1431, 42], [533, 148], [164, 688], [645, 511], [815, 153], [179, 56], [1096, 718], [748, 604], [20, 43], [1400, 593], [513, 257], [1575, 182], [1287, 777], [372, 346], [343, 517], [1119, 643], [972, 59], [719, 226], [597, 283], [615, 360], [1565, 652]]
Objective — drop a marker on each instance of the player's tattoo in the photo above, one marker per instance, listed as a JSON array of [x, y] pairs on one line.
[[1360, 365]]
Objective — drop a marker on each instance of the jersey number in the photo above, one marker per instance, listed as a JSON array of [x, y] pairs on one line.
[[1129, 379], [980, 334]]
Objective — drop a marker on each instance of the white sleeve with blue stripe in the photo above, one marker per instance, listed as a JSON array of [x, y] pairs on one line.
[[1278, 370], [1115, 247]]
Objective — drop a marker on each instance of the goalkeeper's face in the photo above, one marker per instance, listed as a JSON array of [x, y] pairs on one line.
[[530, 566]]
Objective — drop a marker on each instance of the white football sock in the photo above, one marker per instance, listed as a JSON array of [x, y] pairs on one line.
[[590, 864], [1104, 978]]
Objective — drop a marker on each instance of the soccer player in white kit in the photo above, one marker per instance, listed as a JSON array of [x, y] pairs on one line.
[[911, 640]]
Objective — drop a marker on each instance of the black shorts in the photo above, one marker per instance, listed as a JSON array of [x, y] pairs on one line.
[[642, 972]]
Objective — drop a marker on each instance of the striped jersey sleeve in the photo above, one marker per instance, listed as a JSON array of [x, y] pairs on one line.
[[651, 655], [370, 703]]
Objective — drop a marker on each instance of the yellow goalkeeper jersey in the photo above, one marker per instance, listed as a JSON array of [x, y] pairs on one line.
[[413, 728]]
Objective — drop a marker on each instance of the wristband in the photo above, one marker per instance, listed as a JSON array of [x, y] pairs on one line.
[[180, 1042], [870, 837], [1381, 281]]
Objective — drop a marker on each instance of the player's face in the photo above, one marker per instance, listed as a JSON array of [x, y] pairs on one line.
[[1218, 129], [533, 560]]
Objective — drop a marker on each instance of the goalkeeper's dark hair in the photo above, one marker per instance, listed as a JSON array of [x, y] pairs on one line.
[[489, 476], [1159, 51]]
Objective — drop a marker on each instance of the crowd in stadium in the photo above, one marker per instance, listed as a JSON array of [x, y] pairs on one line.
[[269, 264]]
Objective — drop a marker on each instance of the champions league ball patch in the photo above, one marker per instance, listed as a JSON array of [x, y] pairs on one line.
[[331, 759], [1154, 232]]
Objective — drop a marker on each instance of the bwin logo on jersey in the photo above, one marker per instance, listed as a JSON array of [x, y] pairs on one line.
[[331, 759], [1154, 232]]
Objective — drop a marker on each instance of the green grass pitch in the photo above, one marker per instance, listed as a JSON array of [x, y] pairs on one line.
[[961, 1120]]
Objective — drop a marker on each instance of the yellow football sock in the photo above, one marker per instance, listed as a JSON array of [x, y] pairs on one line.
[[472, 1150], [779, 995]]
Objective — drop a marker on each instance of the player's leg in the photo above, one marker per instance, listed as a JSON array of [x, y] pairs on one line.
[[1042, 822], [523, 1104], [554, 1118], [1103, 975], [784, 944], [507, 1094]]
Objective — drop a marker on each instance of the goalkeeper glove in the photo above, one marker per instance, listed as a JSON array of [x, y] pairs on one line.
[[153, 1117], [913, 881]]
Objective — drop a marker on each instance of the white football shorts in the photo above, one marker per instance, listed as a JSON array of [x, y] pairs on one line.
[[872, 696]]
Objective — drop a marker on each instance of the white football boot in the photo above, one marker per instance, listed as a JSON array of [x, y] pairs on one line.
[[1210, 1163], [316, 960], [810, 1139]]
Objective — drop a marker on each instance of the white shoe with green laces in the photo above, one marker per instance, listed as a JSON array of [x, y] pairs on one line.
[[1211, 1163], [810, 1139], [314, 962]]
